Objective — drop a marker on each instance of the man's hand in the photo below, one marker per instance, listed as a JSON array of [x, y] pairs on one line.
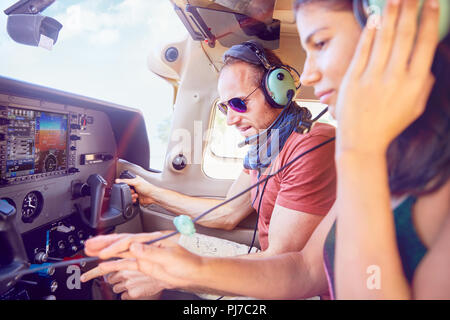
[[144, 190]]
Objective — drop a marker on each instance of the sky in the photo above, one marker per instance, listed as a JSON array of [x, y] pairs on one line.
[[101, 53]]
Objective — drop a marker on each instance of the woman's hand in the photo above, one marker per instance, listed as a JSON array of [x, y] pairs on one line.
[[135, 285], [163, 260], [116, 245], [389, 80], [144, 190]]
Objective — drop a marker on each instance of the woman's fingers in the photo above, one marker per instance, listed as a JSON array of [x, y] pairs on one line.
[[427, 41], [405, 35], [123, 244], [115, 277], [385, 35], [96, 244], [363, 50], [91, 274], [392, 47], [105, 268], [118, 288]]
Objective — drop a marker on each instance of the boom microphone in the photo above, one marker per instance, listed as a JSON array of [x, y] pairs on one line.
[[252, 139]]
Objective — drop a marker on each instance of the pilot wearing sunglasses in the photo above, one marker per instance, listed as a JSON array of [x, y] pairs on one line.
[[256, 94]]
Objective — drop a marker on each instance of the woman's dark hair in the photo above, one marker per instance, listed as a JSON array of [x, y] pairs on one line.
[[419, 158]]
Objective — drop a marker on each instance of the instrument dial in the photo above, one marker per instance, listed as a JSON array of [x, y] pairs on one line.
[[31, 206], [50, 163]]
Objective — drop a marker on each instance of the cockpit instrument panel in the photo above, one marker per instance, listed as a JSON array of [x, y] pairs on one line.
[[33, 144]]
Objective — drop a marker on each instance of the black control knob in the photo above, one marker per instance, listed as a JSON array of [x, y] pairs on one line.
[[81, 235], [62, 245], [179, 162], [74, 137], [73, 170], [75, 126], [80, 190], [73, 148], [4, 121], [107, 157], [128, 175]]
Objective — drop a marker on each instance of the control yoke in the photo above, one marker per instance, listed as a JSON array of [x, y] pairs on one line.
[[13, 257], [120, 209]]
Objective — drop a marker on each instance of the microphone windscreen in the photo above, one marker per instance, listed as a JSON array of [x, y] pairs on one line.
[[242, 144]]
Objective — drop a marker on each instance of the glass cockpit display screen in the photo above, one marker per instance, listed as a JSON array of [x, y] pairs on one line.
[[36, 142]]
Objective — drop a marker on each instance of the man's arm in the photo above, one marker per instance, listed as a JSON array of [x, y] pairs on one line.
[[289, 231], [293, 275], [225, 217]]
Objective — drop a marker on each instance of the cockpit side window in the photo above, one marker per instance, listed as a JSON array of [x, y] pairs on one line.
[[223, 159]]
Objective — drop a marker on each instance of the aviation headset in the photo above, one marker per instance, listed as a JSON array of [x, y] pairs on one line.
[[278, 83], [363, 8]]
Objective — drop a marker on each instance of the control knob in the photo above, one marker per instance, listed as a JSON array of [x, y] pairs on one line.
[[41, 257]]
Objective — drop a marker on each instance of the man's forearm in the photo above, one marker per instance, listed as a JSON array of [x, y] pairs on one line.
[[181, 204]]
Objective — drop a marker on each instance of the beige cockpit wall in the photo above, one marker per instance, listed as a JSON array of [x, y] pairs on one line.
[[194, 75]]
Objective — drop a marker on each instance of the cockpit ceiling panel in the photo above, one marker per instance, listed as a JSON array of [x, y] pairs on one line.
[[261, 10]]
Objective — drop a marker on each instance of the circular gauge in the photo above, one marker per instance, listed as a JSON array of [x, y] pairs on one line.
[[32, 206], [50, 163]]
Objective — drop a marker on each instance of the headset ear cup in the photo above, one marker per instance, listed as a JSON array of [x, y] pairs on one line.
[[279, 87], [265, 90], [359, 12], [362, 7]]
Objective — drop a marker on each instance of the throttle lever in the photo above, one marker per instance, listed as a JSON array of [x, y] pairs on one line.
[[128, 175]]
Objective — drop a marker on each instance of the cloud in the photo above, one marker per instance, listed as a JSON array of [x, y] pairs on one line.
[[105, 37], [104, 19]]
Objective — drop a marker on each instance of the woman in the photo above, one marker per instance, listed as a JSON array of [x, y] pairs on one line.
[[392, 151]]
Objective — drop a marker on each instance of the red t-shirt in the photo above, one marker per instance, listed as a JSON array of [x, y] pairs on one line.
[[307, 185]]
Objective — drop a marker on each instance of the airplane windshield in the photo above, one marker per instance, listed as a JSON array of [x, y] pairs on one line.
[[102, 52]]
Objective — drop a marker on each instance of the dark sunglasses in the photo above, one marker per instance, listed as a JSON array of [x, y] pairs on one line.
[[237, 104]]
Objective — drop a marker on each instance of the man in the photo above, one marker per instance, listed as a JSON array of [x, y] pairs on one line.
[[291, 204]]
